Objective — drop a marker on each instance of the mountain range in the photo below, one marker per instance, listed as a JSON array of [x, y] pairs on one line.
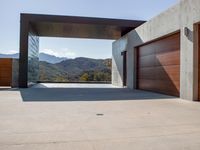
[[76, 70], [42, 56], [9, 55]]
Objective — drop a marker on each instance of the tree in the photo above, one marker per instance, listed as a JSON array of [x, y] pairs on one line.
[[84, 77]]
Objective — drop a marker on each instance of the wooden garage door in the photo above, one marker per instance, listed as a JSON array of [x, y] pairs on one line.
[[158, 66], [5, 72]]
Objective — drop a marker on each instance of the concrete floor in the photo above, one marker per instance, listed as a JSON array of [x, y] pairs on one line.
[[96, 119]]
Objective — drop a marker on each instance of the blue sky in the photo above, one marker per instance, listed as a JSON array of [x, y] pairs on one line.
[[121, 9]]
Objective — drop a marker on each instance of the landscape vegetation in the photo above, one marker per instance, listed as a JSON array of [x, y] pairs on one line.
[[80, 69]]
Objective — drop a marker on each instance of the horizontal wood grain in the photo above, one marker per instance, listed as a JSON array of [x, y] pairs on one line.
[[147, 61], [168, 58], [158, 69], [160, 86], [160, 73], [5, 72], [147, 50], [171, 43]]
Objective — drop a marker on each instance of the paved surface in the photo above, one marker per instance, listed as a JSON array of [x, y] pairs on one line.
[[96, 119]]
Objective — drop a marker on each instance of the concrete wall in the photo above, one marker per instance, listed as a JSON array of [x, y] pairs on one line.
[[183, 15], [117, 61], [15, 73]]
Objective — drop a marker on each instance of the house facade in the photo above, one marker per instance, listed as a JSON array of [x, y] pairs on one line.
[[162, 54]]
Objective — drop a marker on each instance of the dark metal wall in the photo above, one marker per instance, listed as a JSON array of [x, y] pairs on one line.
[[29, 54]]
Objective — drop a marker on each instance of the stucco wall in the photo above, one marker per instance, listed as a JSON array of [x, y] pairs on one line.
[[184, 14]]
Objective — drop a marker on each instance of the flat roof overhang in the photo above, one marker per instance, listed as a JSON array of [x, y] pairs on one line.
[[79, 27], [35, 25]]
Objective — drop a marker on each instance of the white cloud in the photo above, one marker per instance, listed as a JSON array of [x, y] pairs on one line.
[[60, 53]]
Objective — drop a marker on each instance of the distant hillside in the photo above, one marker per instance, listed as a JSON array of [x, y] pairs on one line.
[[9, 55], [75, 70], [43, 57], [51, 72], [61, 69], [50, 58], [80, 64]]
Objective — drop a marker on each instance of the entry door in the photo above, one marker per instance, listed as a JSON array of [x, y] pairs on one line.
[[124, 55], [5, 72], [158, 66]]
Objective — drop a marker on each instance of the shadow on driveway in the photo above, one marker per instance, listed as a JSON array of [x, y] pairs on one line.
[[86, 94]]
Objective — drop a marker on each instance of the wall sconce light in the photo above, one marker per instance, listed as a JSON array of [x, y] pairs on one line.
[[186, 31]]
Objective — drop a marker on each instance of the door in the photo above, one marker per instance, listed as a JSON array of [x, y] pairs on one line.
[[5, 71], [124, 55], [158, 66]]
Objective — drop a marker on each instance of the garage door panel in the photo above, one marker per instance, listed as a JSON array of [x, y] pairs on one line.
[[165, 87], [147, 73], [168, 58], [147, 50], [160, 71], [168, 73], [159, 86], [147, 61], [171, 43], [162, 59], [147, 84]]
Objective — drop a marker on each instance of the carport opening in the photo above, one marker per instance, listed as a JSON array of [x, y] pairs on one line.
[[34, 26], [75, 60]]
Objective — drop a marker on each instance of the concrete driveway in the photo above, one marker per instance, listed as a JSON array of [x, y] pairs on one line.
[[96, 119]]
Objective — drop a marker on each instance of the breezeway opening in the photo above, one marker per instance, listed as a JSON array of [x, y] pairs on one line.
[[75, 60], [34, 26]]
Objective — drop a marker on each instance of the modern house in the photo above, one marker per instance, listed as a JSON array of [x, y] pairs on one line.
[[161, 55]]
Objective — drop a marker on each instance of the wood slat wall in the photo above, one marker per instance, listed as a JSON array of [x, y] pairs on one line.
[[5, 71], [158, 66]]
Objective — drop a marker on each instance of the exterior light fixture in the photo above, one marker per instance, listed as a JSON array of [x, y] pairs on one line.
[[186, 31]]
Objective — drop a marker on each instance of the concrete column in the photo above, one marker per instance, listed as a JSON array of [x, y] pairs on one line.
[[15, 73]]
